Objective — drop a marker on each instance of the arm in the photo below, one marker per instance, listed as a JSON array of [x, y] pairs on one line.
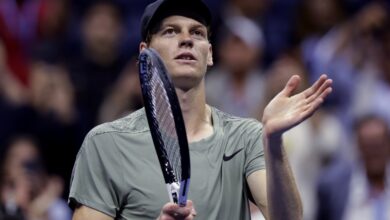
[[282, 113], [282, 192], [86, 213], [257, 183]]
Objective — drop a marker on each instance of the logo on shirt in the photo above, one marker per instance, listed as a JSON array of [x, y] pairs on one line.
[[227, 158]]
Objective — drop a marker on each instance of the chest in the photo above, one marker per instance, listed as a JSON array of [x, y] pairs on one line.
[[217, 181]]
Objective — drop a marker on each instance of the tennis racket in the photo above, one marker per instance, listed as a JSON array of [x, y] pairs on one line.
[[166, 125]]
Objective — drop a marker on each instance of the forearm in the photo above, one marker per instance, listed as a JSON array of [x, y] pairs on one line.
[[283, 197], [86, 213]]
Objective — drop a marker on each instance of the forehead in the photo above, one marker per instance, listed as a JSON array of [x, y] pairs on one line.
[[372, 128], [181, 21]]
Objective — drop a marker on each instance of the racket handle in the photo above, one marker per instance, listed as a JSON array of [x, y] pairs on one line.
[[173, 192], [184, 186]]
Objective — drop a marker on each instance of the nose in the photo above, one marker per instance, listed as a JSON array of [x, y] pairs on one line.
[[186, 41]]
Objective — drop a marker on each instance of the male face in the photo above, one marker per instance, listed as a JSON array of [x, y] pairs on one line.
[[102, 29], [183, 45], [374, 146]]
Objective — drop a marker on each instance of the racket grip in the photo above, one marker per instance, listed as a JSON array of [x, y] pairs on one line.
[[184, 186]]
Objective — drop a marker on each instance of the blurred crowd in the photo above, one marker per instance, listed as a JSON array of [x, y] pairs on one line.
[[67, 65]]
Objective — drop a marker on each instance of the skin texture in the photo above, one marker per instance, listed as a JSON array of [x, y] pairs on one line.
[[178, 35], [285, 111]]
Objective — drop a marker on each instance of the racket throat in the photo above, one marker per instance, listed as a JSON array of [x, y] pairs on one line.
[[173, 189], [178, 192]]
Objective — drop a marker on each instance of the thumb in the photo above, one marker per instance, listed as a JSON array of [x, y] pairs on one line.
[[291, 85]]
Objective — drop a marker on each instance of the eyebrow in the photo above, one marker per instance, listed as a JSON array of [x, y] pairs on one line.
[[192, 26]]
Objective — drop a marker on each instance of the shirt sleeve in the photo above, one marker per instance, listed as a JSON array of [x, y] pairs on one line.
[[254, 151], [96, 175]]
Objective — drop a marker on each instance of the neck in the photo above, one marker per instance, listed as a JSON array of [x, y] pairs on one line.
[[377, 182], [239, 79], [196, 114]]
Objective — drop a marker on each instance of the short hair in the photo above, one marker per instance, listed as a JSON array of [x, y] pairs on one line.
[[360, 121]]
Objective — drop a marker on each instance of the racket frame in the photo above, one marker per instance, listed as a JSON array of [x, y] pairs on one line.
[[178, 191]]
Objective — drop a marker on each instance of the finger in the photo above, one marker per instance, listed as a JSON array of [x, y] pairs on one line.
[[193, 212], [173, 215], [291, 85], [190, 217], [327, 91], [313, 106], [322, 91], [190, 204], [311, 90], [310, 109], [169, 208], [176, 211]]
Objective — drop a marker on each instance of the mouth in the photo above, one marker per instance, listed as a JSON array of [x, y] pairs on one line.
[[186, 57]]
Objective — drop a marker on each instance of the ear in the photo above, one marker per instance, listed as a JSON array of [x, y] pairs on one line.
[[210, 61], [142, 46]]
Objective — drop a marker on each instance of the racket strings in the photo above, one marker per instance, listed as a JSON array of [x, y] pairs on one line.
[[166, 123]]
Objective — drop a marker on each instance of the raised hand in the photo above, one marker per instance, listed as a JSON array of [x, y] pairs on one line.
[[286, 110]]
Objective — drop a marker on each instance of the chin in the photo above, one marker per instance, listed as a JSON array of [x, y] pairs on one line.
[[186, 82], [186, 72]]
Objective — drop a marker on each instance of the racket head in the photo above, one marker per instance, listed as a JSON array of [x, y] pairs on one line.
[[165, 121]]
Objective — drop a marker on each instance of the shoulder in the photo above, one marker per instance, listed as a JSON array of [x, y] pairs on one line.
[[237, 127], [228, 120], [135, 122], [105, 137]]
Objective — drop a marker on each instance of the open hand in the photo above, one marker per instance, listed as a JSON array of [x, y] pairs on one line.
[[286, 110]]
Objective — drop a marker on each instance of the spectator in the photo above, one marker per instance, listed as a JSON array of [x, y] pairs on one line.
[[276, 18], [99, 64], [27, 192], [124, 97], [53, 117], [376, 80], [238, 75], [55, 34], [359, 190], [19, 21], [349, 52], [13, 100], [314, 19]]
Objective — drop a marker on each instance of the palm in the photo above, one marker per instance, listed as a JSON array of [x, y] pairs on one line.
[[286, 110]]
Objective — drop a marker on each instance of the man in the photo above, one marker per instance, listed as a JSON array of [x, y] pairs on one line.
[[117, 176], [238, 74], [359, 189]]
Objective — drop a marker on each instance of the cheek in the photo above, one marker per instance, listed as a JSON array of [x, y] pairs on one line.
[[162, 52], [163, 47], [205, 54]]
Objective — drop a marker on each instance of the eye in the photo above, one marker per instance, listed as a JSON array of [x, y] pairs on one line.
[[168, 31], [199, 33]]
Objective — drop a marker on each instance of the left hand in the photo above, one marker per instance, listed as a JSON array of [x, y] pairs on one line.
[[287, 110]]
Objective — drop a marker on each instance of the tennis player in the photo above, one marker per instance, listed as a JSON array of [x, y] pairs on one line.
[[117, 174]]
